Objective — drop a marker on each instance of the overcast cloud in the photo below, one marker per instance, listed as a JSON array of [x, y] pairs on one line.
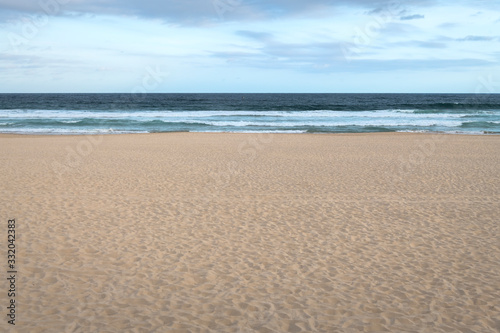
[[196, 11], [248, 45]]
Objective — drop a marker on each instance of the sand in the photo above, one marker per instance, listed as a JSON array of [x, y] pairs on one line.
[[189, 232]]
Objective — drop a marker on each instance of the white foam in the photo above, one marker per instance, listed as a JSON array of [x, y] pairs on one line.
[[144, 115], [332, 123], [62, 131], [253, 132]]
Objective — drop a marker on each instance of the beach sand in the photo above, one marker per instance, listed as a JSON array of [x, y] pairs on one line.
[[213, 232]]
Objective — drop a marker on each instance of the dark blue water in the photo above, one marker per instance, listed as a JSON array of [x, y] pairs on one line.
[[287, 113]]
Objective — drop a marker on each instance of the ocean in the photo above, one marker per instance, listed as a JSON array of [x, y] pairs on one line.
[[250, 113]]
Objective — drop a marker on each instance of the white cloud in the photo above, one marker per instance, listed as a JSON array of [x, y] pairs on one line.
[[289, 45], [412, 17]]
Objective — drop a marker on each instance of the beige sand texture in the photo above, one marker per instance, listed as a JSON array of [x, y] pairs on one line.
[[188, 232]]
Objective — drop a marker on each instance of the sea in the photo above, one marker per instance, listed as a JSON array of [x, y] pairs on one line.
[[77, 114]]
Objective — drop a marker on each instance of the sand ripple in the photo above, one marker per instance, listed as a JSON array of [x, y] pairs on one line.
[[316, 234]]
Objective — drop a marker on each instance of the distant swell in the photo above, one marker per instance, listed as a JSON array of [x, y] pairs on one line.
[[249, 113]]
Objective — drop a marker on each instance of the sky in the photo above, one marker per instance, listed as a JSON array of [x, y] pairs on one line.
[[249, 46]]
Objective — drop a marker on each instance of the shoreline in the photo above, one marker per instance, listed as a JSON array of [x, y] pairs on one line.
[[6, 135]]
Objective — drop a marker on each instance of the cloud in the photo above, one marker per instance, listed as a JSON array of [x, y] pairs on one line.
[[260, 36], [395, 28], [411, 17], [194, 11], [373, 65], [15, 63], [448, 25], [383, 10], [420, 44], [333, 57], [276, 54], [431, 45], [477, 39], [335, 64]]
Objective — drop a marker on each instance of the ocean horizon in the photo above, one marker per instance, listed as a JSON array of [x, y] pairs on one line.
[[79, 114]]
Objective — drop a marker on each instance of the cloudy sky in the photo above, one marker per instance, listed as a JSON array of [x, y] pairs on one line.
[[249, 45]]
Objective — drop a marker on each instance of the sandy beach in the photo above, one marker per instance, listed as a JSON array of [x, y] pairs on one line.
[[213, 232]]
